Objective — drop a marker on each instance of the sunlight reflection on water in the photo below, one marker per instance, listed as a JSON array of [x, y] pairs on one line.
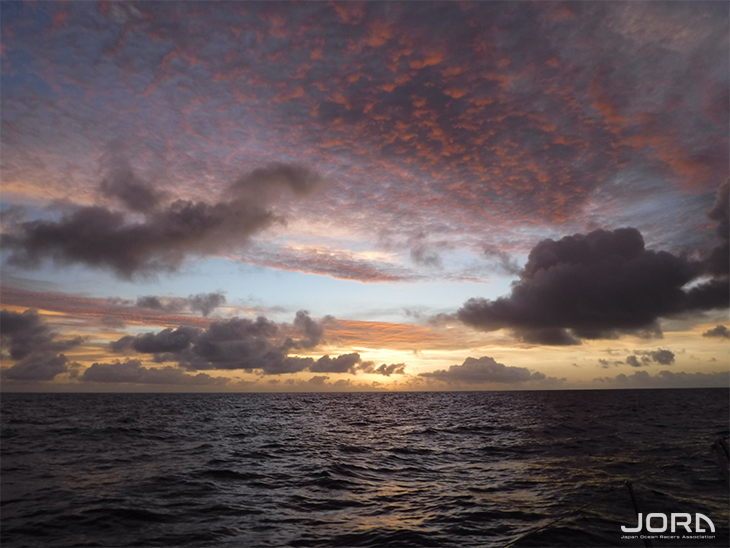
[[415, 469]]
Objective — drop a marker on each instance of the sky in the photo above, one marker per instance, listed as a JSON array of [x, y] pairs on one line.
[[362, 196]]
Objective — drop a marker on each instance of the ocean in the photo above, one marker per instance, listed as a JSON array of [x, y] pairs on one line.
[[442, 469]]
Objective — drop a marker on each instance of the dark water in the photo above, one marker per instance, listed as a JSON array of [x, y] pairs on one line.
[[415, 469]]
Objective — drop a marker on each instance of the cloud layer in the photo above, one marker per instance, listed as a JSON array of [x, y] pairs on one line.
[[665, 379], [132, 371], [518, 118]]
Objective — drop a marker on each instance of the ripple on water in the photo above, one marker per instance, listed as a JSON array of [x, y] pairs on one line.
[[418, 469]]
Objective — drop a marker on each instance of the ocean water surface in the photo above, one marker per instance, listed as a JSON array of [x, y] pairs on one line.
[[482, 469]]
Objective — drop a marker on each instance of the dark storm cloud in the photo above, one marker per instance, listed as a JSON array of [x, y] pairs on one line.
[[32, 343], [484, 370], [596, 285], [132, 371], [99, 237], [719, 331], [237, 343]]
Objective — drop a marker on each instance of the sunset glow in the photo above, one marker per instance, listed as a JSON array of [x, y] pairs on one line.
[[364, 196]]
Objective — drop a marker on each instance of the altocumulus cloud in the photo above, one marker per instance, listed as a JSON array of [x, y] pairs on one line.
[[485, 370], [102, 237], [31, 342]]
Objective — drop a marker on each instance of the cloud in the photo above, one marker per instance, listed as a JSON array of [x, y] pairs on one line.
[[484, 370], [11, 216], [529, 132], [33, 345], [166, 304], [665, 379], [237, 343], [165, 341], [311, 329], [382, 369], [132, 371], [663, 357], [423, 253], [502, 260], [608, 363], [547, 336], [341, 364], [113, 312], [250, 345], [327, 261], [99, 237], [719, 331], [718, 263], [204, 303], [40, 366], [596, 285], [319, 383], [122, 184], [318, 380]]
